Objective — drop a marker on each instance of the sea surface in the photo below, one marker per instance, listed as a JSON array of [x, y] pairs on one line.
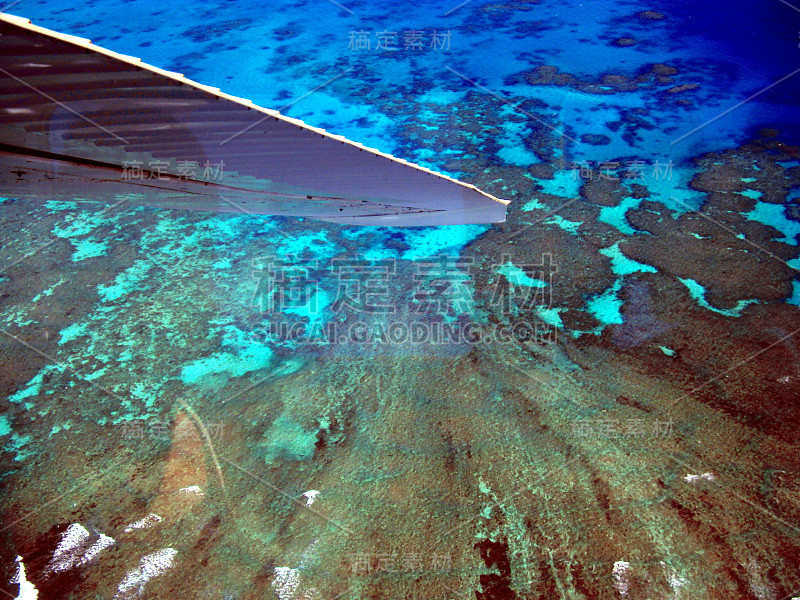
[[598, 398]]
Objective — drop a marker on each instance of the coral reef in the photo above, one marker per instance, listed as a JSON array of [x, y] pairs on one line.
[[595, 399]]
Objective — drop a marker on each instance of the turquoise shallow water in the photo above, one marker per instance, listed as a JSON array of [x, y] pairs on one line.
[[595, 399]]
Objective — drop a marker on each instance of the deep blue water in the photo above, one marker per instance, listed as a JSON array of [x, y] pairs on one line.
[[275, 55]]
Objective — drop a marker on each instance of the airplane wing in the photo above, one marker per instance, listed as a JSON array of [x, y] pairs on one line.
[[81, 123]]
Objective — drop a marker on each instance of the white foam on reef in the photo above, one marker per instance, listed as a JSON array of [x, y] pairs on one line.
[[72, 549], [310, 496], [150, 566], [104, 542], [708, 476], [69, 549], [144, 523], [287, 585], [286, 582], [27, 591], [620, 574]]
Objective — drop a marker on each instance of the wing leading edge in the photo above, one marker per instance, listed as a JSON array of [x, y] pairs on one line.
[[78, 122]]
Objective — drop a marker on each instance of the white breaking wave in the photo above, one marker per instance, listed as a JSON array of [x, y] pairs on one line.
[[287, 585], [73, 550], [286, 582], [695, 478], [620, 575], [104, 542], [150, 566], [310, 496], [27, 591], [144, 523], [69, 549]]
